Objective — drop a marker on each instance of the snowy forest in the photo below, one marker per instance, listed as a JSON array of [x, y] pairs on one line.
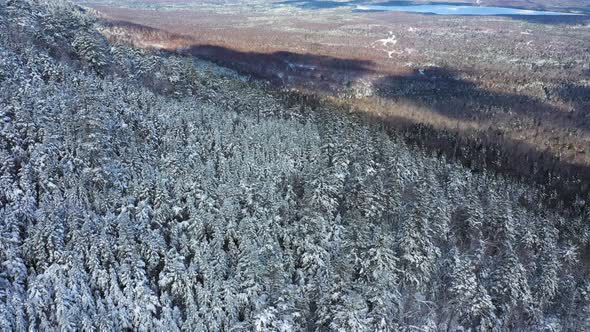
[[152, 192]]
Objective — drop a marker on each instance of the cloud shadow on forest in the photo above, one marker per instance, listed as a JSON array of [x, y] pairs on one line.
[[441, 91], [320, 71]]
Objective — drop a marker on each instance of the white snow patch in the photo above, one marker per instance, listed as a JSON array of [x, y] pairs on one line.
[[300, 66], [385, 42]]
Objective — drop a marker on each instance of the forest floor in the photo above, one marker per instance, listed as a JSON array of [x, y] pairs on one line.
[[518, 87]]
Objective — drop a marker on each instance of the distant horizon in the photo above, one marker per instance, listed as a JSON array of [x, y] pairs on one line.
[[467, 10]]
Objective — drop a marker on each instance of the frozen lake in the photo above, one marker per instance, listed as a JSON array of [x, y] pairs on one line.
[[459, 10]]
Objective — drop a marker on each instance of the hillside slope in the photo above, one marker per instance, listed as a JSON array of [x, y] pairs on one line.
[[149, 192]]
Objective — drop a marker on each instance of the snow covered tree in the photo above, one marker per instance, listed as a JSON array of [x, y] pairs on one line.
[[147, 192]]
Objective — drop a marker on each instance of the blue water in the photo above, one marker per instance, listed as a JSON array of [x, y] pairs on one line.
[[459, 10]]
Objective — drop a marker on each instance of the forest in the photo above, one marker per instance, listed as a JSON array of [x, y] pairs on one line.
[[147, 191]]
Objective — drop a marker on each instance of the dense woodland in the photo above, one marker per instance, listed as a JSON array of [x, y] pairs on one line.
[[143, 191]]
